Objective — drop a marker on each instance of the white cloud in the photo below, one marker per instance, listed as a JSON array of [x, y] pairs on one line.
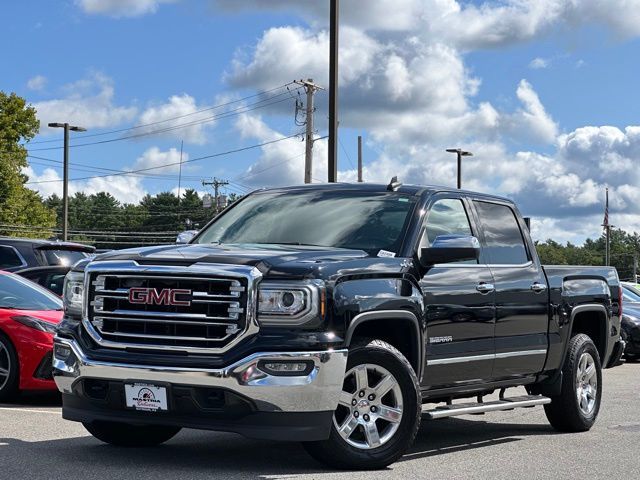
[[293, 52], [186, 124], [121, 8], [154, 157], [37, 83], [123, 188], [539, 63], [464, 24], [532, 121], [88, 102], [280, 163]]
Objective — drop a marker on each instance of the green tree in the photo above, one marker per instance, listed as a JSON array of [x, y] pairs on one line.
[[18, 204]]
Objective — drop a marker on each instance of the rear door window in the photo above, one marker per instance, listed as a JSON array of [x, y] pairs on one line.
[[503, 241], [62, 257], [9, 257]]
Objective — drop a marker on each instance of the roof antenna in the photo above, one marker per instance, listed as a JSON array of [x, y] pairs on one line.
[[394, 184]]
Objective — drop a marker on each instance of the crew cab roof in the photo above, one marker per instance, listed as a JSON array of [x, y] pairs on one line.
[[417, 190]]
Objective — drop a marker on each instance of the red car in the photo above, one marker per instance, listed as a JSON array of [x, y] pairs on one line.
[[28, 317]]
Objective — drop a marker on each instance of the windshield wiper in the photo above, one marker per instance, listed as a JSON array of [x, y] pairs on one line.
[[298, 244]]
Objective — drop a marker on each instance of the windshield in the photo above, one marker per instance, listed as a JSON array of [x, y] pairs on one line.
[[630, 294], [21, 294], [328, 218], [63, 257]]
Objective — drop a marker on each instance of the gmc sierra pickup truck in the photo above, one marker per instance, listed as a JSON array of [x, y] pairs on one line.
[[337, 315]]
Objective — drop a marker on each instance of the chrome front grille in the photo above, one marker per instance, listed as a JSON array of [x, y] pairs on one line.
[[154, 308]]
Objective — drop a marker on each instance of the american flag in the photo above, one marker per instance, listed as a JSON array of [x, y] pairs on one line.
[[605, 223]]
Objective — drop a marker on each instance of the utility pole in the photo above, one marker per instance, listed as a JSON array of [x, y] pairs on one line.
[[65, 184], [360, 159], [461, 153], [216, 184], [180, 183], [311, 88], [334, 41]]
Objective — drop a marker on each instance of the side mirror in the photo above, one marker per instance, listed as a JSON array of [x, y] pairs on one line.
[[185, 237], [449, 249]]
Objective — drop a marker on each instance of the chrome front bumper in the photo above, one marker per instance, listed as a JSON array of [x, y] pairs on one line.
[[317, 391]]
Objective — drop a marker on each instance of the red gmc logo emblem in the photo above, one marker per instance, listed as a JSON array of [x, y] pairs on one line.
[[151, 296]]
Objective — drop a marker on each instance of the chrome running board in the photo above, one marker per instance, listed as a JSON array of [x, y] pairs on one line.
[[455, 410]]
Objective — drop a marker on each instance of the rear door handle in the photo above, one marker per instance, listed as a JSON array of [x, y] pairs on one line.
[[538, 287], [485, 288]]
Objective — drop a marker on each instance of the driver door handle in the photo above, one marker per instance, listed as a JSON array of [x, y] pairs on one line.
[[538, 287], [485, 288]]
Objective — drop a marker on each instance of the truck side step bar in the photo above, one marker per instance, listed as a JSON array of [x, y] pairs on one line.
[[455, 410]]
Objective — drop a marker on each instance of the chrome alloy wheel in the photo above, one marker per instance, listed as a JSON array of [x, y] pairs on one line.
[[370, 407], [5, 365], [586, 384]]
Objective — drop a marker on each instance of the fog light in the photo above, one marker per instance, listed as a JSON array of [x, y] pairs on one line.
[[285, 368], [61, 352]]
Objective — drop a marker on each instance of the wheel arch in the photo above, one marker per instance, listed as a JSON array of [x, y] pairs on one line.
[[377, 324], [592, 320]]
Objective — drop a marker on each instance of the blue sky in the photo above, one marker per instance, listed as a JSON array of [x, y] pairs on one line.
[[542, 91]]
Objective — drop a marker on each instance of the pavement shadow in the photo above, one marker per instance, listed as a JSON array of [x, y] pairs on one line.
[[35, 399], [195, 454], [441, 437]]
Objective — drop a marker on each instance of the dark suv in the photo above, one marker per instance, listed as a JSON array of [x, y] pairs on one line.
[[19, 253]]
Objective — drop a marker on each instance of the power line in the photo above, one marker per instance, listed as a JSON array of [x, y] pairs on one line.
[[215, 155], [347, 154], [88, 232], [231, 113], [214, 107]]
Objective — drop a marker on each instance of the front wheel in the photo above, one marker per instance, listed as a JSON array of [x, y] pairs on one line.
[[125, 435], [577, 406], [378, 415], [8, 369]]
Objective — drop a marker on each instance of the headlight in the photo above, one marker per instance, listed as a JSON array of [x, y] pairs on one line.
[[73, 294], [35, 323], [290, 303]]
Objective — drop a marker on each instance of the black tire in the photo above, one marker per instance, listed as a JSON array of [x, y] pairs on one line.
[[336, 451], [125, 435], [564, 412], [8, 362], [628, 357]]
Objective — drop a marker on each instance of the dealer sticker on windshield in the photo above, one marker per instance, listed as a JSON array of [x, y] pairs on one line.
[[149, 398], [386, 254]]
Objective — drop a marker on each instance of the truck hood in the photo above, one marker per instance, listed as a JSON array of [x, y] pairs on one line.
[[269, 259]]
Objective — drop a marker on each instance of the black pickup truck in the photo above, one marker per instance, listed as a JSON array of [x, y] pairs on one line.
[[337, 315]]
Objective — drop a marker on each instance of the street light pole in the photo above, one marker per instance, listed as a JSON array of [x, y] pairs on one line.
[[333, 90], [460, 153], [65, 185]]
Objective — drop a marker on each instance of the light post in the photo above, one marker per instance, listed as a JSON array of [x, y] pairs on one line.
[[65, 185], [334, 40], [460, 153]]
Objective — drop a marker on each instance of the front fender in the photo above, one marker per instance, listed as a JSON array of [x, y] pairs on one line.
[[367, 300]]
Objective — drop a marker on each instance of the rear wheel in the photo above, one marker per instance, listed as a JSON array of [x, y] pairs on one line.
[[577, 406], [9, 374], [379, 410], [125, 435], [628, 357]]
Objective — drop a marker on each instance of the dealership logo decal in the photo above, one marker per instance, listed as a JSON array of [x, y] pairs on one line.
[[166, 296], [146, 399]]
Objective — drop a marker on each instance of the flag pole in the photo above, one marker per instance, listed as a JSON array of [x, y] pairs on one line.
[[607, 230]]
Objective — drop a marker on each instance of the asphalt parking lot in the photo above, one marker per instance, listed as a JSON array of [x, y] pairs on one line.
[[36, 443]]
